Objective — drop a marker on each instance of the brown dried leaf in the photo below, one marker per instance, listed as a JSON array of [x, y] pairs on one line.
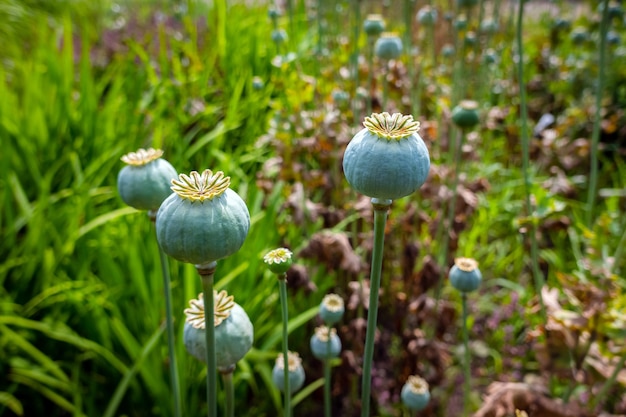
[[334, 250]]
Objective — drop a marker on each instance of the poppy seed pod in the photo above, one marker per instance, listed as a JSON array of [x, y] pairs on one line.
[[465, 114], [427, 16], [373, 25], [296, 372], [465, 275], [332, 309], [460, 23], [388, 46], [447, 51], [489, 26], [387, 159], [234, 332], [579, 36], [145, 181], [278, 260], [279, 36], [203, 220], [415, 395], [325, 344]]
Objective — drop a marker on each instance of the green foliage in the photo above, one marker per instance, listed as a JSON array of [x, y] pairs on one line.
[[81, 298]]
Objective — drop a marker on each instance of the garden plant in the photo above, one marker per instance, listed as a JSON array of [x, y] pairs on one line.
[[393, 208]]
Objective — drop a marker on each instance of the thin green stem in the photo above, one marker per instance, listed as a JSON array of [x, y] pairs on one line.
[[227, 378], [595, 134], [207, 273], [355, 59], [380, 219], [169, 323], [385, 86], [370, 74], [327, 385], [467, 362], [598, 399], [534, 252], [282, 284]]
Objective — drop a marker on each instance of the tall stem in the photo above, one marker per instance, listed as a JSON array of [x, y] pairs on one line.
[[207, 272], [380, 219], [538, 277], [282, 284], [169, 323], [355, 59], [595, 135], [227, 378], [385, 85], [327, 385], [370, 74], [609, 383], [467, 362]]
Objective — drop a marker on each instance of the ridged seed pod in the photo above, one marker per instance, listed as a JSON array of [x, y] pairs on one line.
[[296, 372], [415, 394], [145, 181], [465, 275], [325, 344], [388, 46], [331, 309], [427, 16], [387, 159], [278, 260], [465, 114], [373, 25], [203, 220], [234, 332]]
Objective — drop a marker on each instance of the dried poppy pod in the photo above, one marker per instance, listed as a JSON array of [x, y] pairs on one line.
[[234, 332], [145, 181], [387, 159], [203, 220]]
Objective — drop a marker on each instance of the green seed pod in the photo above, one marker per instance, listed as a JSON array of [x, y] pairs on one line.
[[279, 36], [579, 36], [332, 309], [613, 38], [465, 115], [388, 46], [257, 83], [470, 39], [278, 260], [427, 16], [490, 57], [373, 25], [415, 395], [460, 23], [203, 220], [488, 26], [561, 24], [234, 332], [320, 343], [145, 181], [387, 159], [296, 372], [447, 51], [465, 275]]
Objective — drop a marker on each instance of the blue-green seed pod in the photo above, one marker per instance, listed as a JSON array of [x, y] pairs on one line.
[[257, 83], [561, 24], [340, 97], [325, 344], [278, 260], [331, 309], [296, 372], [387, 159], [273, 13], [447, 51], [145, 181], [373, 25], [203, 220], [612, 38], [579, 36], [279, 36], [427, 16], [460, 23], [490, 57], [388, 46], [470, 39], [415, 394], [234, 332], [465, 114], [489, 26], [465, 275]]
